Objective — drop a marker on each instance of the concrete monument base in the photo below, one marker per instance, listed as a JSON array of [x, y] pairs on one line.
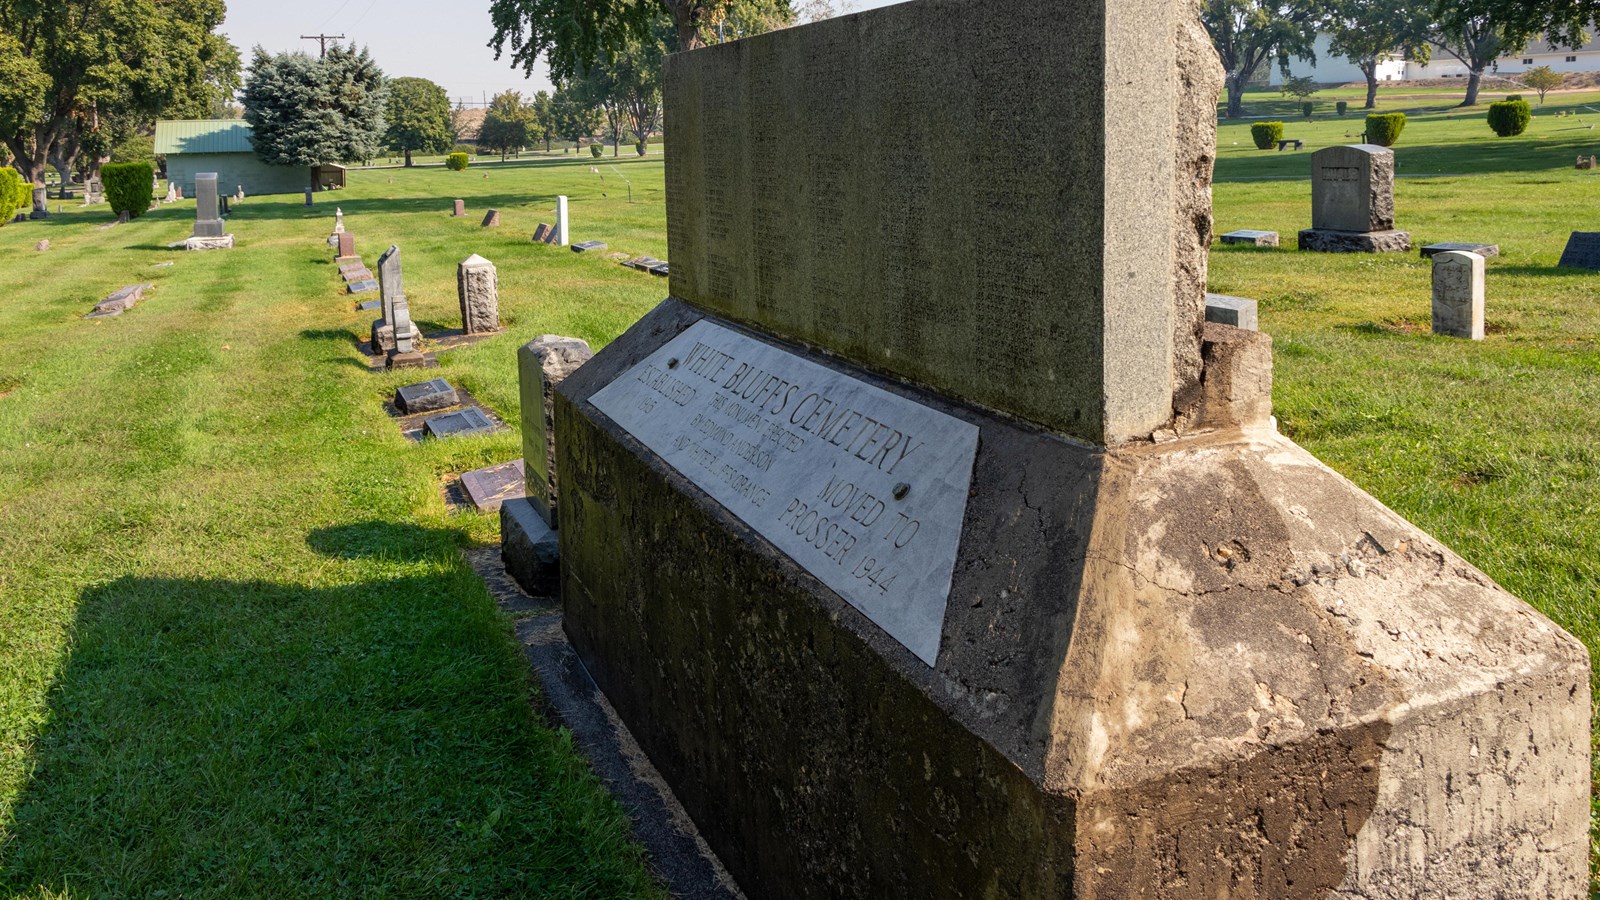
[[1321, 240], [414, 359], [530, 548], [223, 242], [1201, 668]]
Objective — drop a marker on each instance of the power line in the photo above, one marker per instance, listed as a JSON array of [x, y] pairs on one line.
[[322, 40]]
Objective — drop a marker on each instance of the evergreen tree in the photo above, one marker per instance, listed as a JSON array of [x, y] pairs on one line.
[[418, 118], [305, 112]]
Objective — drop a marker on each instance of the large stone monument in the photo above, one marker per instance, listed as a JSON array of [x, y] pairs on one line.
[[209, 231], [478, 288], [1352, 202], [939, 562]]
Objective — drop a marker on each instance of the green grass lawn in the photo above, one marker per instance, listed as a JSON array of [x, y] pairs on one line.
[[240, 653]]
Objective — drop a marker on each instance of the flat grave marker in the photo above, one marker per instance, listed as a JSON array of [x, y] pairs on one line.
[[1239, 312], [468, 421], [588, 246], [364, 286], [1251, 237], [491, 487], [428, 396], [369, 305]]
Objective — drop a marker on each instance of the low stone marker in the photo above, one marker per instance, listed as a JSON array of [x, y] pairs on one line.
[[491, 219], [1458, 292], [209, 230], [1583, 251], [1252, 238], [588, 246], [478, 289], [308, 196], [489, 489], [346, 250], [898, 614], [529, 545], [42, 246], [93, 192], [119, 301], [364, 286], [429, 396], [460, 209], [1238, 312], [1486, 251], [355, 272], [464, 422], [368, 305], [41, 203], [1352, 202], [1587, 162], [661, 271], [544, 234]]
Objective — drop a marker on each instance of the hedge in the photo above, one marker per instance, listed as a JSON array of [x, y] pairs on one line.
[[16, 193], [128, 187], [1343, 106], [457, 162], [1384, 129], [1266, 134], [1307, 108], [1510, 118]]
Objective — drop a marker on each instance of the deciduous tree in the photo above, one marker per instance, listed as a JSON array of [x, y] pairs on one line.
[[1250, 33], [572, 116], [1477, 35], [1369, 32], [1543, 79], [505, 125], [418, 118]]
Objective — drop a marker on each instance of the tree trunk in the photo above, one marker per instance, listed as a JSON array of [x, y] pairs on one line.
[[64, 167], [1473, 81], [408, 159], [1236, 97], [1370, 69], [685, 18]]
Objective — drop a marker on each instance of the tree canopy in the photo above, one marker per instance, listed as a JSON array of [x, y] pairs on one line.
[[418, 118], [304, 111], [1477, 35], [71, 68], [625, 86], [1367, 32], [505, 126], [1249, 33]]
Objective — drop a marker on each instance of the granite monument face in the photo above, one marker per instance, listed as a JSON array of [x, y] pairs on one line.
[[1458, 291], [897, 614], [1352, 202], [478, 286], [210, 233], [394, 332], [1582, 251]]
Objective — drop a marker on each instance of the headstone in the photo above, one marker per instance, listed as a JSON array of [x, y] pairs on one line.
[[1458, 291], [366, 286], [1235, 311], [492, 219], [544, 234], [542, 365], [1352, 202], [238, 194], [308, 196], [1583, 251], [119, 301], [661, 271], [180, 192], [467, 421], [225, 209], [490, 488], [347, 246], [94, 192], [478, 287], [394, 333], [41, 202], [1484, 250], [966, 561], [338, 220], [172, 192], [1252, 238], [42, 246], [588, 246], [209, 230], [1587, 162], [429, 396], [461, 208], [563, 224], [369, 305], [355, 273]]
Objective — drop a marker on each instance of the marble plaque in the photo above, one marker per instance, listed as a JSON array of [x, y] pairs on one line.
[[862, 488]]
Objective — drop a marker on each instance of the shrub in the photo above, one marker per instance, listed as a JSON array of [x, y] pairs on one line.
[[457, 162], [1343, 106], [13, 188], [1512, 98], [1384, 129], [597, 151], [1510, 118], [1306, 109], [1266, 134], [127, 187]]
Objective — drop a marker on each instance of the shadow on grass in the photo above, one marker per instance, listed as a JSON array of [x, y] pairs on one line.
[[260, 739], [1534, 157]]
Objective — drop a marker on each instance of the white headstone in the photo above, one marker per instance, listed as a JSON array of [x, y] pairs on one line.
[[478, 284], [562, 236], [1458, 292], [338, 220]]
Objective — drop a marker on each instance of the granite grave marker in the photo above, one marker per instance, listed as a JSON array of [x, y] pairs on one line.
[[478, 289], [428, 396], [209, 230], [463, 422], [1352, 202]]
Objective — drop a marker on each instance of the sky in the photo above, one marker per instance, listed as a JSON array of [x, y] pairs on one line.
[[444, 42]]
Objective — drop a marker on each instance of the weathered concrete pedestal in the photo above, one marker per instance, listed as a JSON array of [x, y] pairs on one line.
[[1325, 241], [530, 548]]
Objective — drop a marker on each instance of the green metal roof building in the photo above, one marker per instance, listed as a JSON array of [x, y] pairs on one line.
[[223, 146]]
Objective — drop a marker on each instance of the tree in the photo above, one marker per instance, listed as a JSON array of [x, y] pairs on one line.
[[540, 122], [1300, 88], [418, 118], [1477, 35], [505, 125], [1248, 33], [570, 35], [572, 117], [625, 86], [71, 67], [1543, 79], [1368, 32], [305, 112]]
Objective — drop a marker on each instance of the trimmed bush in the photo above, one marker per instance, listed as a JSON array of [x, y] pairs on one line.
[[1343, 106], [1266, 134], [1384, 129], [1510, 118], [1512, 98], [457, 162], [128, 187], [13, 189], [1307, 108], [597, 151]]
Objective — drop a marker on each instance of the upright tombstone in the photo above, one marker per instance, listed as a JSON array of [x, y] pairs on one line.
[[209, 231], [172, 192], [965, 562], [41, 202], [392, 291], [308, 196], [238, 194], [93, 192], [529, 545], [563, 232], [1458, 290], [478, 286], [1352, 202], [460, 209], [1582, 251], [491, 219], [345, 244], [338, 220]]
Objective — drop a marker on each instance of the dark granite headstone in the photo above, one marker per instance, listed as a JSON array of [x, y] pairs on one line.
[[588, 246], [662, 270], [492, 219], [369, 305], [1583, 251], [361, 274], [347, 245], [468, 421], [544, 234], [426, 397]]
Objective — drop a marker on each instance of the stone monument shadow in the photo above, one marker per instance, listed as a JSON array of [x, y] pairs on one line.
[[378, 539]]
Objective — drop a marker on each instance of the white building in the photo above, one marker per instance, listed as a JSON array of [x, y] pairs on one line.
[[1331, 69]]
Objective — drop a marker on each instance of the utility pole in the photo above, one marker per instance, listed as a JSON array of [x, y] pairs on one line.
[[322, 40]]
